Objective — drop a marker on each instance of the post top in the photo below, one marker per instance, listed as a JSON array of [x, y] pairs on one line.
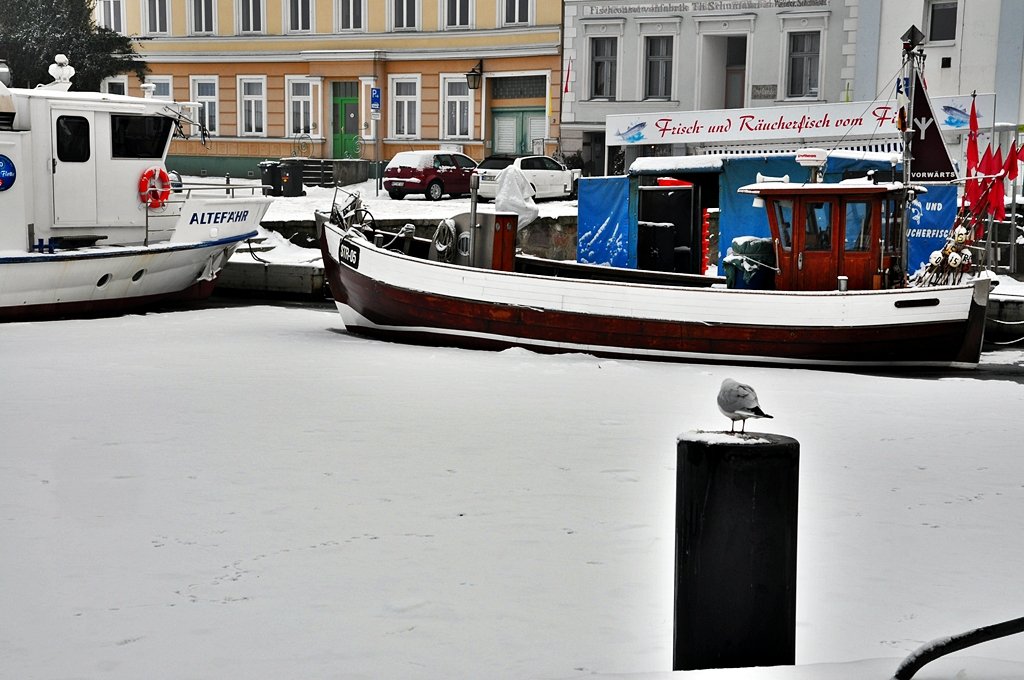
[[724, 437]]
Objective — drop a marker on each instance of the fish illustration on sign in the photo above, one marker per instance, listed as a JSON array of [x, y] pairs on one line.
[[634, 133], [956, 117]]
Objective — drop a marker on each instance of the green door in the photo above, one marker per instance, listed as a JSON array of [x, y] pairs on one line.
[[345, 117], [517, 131]]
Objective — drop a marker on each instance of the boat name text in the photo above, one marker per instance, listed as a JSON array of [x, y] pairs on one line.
[[224, 216]]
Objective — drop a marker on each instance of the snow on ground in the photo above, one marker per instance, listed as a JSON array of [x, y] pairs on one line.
[[286, 208], [380, 205], [247, 492]]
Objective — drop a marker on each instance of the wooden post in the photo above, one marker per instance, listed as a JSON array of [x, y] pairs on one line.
[[736, 520]]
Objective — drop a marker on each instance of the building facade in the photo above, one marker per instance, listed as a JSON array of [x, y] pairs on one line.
[[626, 58], [349, 78]]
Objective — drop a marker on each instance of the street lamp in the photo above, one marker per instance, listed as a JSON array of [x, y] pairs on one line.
[[475, 76]]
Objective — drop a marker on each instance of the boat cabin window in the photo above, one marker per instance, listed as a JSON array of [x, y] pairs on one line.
[[784, 218], [139, 136], [73, 139], [858, 226], [891, 218], [818, 231]]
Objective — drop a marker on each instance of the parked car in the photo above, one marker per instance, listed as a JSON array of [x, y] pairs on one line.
[[432, 173], [548, 177]]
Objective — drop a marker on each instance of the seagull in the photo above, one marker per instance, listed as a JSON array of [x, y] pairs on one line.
[[737, 401]]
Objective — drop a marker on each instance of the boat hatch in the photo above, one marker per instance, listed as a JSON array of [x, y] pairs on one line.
[[825, 231]]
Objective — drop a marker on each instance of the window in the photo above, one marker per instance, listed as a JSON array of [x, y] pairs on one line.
[[164, 86], [350, 15], [818, 233], [300, 16], [602, 67], [802, 77], [204, 92], [110, 14], [941, 21], [404, 13], [115, 85], [73, 139], [202, 16], [156, 16], [457, 108], [457, 14], [252, 107], [858, 226], [250, 16], [784, 221], [303, 105], [517, 11], [658, 66], [404, 107], [139, 136]]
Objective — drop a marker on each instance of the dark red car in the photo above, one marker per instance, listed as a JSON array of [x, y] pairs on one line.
[[431, 173]]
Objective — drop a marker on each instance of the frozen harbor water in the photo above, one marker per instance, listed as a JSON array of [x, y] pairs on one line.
[[248, 492]]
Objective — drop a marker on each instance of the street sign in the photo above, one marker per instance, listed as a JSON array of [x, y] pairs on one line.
[[375, 99], [374, 115]]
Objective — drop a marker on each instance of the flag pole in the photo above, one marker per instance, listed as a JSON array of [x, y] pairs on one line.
[[909, 83]]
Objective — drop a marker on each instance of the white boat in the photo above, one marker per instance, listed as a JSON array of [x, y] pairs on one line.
[[840, 296], [90, 220]]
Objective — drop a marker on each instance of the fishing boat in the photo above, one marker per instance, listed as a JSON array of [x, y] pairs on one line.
[[840, 297], [91, 222]]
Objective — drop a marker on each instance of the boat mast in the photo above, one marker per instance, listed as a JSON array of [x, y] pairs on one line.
[[913, 62]]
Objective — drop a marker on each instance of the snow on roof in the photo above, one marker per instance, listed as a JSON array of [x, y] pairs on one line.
[[667, 164], [715, 162]]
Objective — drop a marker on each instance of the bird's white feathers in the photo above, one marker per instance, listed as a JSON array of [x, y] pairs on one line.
[[737, 401]]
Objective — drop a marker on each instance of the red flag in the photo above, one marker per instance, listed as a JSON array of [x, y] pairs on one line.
[[1011, 162], [995, 194], [972, 191]]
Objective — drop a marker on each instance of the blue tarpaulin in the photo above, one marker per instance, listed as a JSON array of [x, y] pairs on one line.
[[607, 223]]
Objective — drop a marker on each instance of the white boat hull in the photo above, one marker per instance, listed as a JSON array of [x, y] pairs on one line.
[[102, 280]]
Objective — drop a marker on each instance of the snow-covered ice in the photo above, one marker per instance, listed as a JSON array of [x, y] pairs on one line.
[[247, 492]]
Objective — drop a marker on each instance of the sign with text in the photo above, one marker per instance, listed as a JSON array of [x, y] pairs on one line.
[[808, 121], [375, 99]]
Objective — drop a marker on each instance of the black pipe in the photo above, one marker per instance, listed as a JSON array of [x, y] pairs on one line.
[[943, 646]]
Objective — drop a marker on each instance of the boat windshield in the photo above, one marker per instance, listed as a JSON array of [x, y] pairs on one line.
[[784, 218], [858, 226], [139, 136], [818, 235]]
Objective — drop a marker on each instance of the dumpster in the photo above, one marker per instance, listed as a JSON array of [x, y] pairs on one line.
[[270, 175], [750, 263], [291, 177]]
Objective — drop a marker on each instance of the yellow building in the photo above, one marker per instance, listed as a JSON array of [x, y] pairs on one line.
[[349, 78]]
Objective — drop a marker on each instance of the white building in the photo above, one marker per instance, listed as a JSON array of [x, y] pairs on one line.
[[623, 57]]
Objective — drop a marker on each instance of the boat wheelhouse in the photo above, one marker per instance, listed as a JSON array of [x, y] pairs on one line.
[[827, 236], [90, 220]]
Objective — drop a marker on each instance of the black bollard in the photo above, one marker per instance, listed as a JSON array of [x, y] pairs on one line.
[[736, 519]]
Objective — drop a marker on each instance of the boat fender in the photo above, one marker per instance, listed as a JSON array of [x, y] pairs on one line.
[[154, 186]]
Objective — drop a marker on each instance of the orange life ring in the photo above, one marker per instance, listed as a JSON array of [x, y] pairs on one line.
[[154, 186]]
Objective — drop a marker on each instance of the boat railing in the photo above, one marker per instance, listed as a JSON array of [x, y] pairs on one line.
[[161, 221], [231, 190], [1004, 246]]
